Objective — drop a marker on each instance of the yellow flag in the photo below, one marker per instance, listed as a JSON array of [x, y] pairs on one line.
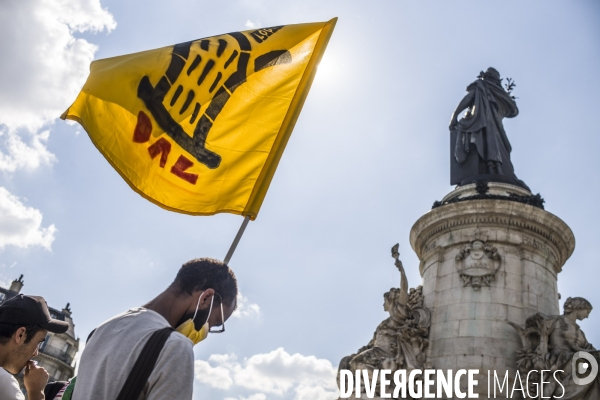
[[199, 127]]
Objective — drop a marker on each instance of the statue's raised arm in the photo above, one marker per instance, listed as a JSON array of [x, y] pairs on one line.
[[400, 341], [403, 297]]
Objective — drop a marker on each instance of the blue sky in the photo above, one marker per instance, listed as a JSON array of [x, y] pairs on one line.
[[369, 155]]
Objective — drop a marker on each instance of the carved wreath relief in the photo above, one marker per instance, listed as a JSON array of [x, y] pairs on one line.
[[477, 264]]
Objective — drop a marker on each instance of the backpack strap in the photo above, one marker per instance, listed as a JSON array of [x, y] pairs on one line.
[[144, 365], [90, 335]]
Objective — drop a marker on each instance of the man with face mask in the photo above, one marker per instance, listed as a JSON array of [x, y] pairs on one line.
[[199, 301], [24, 323]]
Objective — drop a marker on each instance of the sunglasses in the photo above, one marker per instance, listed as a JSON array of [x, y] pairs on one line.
[[222, 328]]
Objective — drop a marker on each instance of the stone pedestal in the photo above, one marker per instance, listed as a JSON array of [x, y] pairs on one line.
[[485, 262]]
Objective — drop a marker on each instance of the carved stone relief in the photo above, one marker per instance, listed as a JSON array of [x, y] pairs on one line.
[[477, 264], [400, 341], [556, 344]]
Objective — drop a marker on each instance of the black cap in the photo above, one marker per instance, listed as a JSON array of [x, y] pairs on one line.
[[30, 310]]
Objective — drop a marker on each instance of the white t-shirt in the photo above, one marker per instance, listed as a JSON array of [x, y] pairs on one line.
[[9, 387], [114, 348]]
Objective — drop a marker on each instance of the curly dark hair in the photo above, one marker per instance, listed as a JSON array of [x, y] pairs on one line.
[[206, 273], [7, 330]]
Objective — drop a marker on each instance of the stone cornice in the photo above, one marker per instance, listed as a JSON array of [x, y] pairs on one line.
[[56, 360], [499, 213]]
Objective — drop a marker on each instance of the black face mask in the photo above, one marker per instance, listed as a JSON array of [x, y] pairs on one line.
[[201, 317]]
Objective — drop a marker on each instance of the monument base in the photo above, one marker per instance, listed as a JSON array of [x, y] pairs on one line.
[[486, 263]]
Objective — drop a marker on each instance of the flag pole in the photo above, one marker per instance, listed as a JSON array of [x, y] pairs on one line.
[[236, 240]]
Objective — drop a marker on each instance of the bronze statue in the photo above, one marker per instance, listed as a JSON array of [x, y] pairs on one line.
[[400, 341], [480, 149], [549, 343]]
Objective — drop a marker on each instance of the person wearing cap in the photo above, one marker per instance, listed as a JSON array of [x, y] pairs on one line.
[[24, 324], [200, 299]]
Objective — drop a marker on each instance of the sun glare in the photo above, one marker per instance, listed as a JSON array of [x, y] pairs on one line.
[[326, 69]]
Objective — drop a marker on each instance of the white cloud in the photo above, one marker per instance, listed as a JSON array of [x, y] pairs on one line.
[[250, 24], [17, 152], [78, 356], [245, 308], [20, 225], [315, 393], [43, 68], [276, 373], [4, 281], [218, 377], [257, 396]]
